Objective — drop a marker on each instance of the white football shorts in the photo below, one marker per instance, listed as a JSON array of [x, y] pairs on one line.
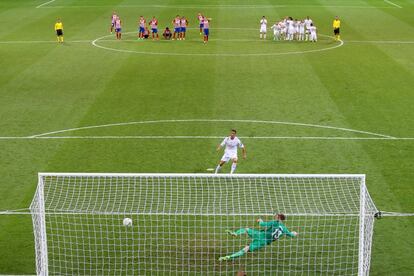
[[228, 156]]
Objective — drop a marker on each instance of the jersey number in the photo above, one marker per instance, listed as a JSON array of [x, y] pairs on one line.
[[277, 233]]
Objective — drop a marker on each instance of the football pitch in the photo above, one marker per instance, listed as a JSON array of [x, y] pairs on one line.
[[95, 104]]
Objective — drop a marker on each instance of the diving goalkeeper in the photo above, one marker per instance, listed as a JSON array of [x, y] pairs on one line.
[[274, 230]]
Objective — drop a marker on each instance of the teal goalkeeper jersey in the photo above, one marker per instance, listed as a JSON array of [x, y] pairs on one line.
[[275, 230]]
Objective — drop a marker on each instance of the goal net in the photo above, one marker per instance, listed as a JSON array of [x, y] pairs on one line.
[[179, 222]]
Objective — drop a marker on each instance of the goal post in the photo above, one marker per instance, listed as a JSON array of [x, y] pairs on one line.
[[179, 222]]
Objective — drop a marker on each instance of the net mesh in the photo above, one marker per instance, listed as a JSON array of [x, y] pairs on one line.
[[179, 224]]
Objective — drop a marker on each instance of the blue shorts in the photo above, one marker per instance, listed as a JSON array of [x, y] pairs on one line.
[[183, 29], [118, 30], [113, 24], [141, 29], [177, 30], [201, 25], [206, 32], [154, 31]]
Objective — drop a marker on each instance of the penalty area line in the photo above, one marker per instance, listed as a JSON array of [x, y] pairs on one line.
[[391, 3], [44, 4], [201, 137]]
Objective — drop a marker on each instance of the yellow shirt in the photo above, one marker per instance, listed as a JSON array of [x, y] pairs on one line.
[[58, 26], [336, 24]]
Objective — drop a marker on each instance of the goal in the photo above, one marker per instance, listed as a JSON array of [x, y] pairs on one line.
[[179, 222]]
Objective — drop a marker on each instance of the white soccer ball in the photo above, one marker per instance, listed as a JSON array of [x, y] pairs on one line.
[[127, 222]]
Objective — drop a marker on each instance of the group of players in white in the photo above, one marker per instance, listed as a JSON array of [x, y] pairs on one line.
[[290, 29]]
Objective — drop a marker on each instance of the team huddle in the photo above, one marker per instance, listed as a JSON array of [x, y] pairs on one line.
[[290, 29], [180, 24]]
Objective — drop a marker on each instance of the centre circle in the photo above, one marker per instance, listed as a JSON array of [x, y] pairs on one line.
[[244, 44]]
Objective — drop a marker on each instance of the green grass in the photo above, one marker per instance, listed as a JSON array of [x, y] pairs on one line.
[[365, 86]]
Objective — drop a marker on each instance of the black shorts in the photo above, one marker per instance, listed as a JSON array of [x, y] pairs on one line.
[[336, 31], [59, 32]]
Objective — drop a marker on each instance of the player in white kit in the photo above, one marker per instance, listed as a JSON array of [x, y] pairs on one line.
[[291, 29], [302, 30], [308, 22], [263, 27], [276, 31], [230, 153], [313, 36]]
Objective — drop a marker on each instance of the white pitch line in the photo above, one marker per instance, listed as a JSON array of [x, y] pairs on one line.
[[219, 6], [44, 4], [201, 137], [381, 41], [95, 43], [391, 3], [214, 121], [42, 41]]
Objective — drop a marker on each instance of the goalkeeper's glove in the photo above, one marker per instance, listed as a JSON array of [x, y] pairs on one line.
[[259, 220]]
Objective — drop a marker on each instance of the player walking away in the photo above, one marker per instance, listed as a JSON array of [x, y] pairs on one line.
[[301, 36], [118, 28], [273, 231], [308, 23], [230, 153], [177, 27], [313, 36], [336, 25], [200, 22], [141, 27], [167, 33], [59, 30], [113, 18], [206, 28], [184, 24], [154, 28], [263, 27]]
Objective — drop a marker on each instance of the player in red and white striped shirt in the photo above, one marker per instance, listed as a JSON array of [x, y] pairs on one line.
[[200, 18], [113, 19], [184, 24], [177, 27], [206, 28], [141, 27], [154, 27]]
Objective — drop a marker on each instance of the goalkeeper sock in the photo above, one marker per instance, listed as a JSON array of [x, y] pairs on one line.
[[218, 169], [241, 231], [237, 254], [233, 167], [231, 233]]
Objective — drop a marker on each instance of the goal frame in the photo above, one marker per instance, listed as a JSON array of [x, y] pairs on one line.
[[41, 239]]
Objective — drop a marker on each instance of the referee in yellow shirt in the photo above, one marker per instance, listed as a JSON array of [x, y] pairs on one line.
[[59, 30], [336, 25]]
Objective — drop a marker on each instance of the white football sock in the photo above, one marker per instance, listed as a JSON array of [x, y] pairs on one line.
[[233, 167], [217, 169]]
